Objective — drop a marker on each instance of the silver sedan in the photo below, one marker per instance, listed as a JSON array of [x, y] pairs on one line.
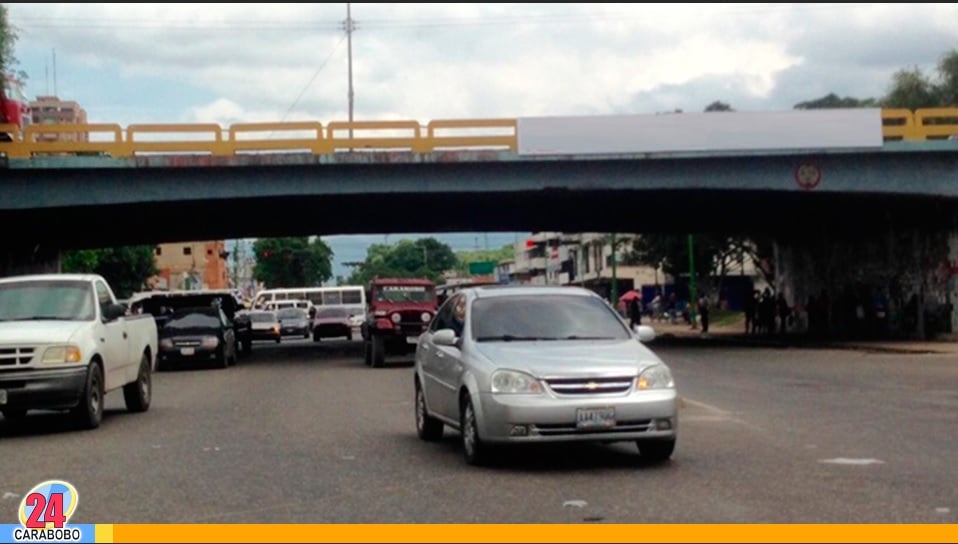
[[519, 364]]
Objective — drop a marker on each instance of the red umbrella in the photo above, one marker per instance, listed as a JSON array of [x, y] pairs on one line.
[[629, 295]]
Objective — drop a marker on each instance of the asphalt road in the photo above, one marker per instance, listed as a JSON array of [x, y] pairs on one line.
[[305, 433]]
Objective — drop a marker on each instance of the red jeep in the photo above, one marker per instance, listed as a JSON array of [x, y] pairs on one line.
[[400, 310]]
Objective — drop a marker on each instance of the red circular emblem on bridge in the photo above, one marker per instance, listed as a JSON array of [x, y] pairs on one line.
[[808, 175]]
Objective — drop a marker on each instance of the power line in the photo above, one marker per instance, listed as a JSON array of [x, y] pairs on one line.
[[94, 23], [312, 79]]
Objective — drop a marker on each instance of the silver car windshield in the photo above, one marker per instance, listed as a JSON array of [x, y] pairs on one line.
[[544, 317]]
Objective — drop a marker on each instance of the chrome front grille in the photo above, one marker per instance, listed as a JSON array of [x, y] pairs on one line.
[[19, 355], [590, 386]]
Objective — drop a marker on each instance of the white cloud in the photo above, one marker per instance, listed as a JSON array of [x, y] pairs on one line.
[[257, 62]]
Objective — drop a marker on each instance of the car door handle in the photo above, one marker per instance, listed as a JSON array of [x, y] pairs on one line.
[[440, 355], [124, 335]]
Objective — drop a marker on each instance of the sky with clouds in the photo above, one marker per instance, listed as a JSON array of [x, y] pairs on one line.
[[228, 63]]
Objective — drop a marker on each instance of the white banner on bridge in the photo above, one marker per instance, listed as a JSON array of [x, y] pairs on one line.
[[701, 132]]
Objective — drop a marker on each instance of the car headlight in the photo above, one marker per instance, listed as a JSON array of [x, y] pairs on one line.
[[166, 343], [510, 381], [396, 318], [655, 377], [426, 316], [210, 342], [62, 354]]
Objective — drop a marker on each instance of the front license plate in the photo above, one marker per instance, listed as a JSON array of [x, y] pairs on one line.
[[187, 351], [3, 396], [595, 418], [412, 339]]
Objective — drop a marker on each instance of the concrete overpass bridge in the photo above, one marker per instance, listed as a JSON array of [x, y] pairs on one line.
[[849, 194]]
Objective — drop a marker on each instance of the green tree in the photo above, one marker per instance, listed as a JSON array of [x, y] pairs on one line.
[[718, 105], [716, 255], [911, 89], [422, 258], [948, 79], [292, 261], [832, 100], [8, 39], [125, 268]]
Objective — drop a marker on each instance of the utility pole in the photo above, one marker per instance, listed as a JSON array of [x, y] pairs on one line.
[[350, 27]]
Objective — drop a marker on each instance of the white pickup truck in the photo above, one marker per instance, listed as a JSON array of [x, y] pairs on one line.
[[65, 342]]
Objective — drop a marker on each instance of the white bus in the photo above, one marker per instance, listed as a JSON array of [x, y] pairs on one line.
[[350, 297]]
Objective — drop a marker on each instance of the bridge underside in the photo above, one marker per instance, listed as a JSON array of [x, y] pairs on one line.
[[786, 214]]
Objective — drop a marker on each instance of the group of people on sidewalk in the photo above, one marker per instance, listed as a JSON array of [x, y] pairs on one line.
[[670, 311], [766, 313]]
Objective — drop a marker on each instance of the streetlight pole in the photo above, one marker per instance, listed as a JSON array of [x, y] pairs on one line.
[[693, 297]]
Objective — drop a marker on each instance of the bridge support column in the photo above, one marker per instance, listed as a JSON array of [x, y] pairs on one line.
[[912, 272], [20, 259]]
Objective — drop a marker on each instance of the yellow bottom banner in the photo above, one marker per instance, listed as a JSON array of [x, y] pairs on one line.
[[455, 533]]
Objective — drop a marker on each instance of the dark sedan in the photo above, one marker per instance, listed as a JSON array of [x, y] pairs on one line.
[[197, 335], [293, 322], [332, 323]]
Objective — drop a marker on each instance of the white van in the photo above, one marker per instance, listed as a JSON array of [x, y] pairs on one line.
[[274, 305]]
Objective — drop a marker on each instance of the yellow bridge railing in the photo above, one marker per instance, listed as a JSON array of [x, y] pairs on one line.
[[112, 140]]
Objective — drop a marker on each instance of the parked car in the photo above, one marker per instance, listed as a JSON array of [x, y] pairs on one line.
[[196, 335], [293, 322], [332, 323], [520, 364], [264, 325]]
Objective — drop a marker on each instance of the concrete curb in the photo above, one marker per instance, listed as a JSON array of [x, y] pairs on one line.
[[732, 340]]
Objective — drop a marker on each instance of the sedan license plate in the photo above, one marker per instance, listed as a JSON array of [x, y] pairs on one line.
[[412, 339], [3, 396], [187, 351], [595, 418]]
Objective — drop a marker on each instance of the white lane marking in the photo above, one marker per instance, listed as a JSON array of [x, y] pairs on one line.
[[848, 461], [942, 510], [575, 504], [716, 414], [10, 496]]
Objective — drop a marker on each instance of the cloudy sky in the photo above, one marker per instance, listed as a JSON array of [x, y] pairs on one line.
[[227, 63]]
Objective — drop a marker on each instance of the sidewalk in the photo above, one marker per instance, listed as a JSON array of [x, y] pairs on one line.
[[734, 335]]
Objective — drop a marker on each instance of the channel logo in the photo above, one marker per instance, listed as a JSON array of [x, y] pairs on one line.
[[44, 515]]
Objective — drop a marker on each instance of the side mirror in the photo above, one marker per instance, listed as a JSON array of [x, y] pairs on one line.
[[445, 337], [114, 311], [645, 333]]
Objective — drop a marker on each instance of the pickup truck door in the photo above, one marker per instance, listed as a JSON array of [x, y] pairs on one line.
[[111, 337]]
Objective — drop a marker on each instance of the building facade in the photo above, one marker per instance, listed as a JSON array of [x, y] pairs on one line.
[[50, 110], [191, 266]]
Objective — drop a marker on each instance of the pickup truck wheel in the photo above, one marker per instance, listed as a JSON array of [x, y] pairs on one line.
[[137, 394], [89, 413], [378, 352]]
